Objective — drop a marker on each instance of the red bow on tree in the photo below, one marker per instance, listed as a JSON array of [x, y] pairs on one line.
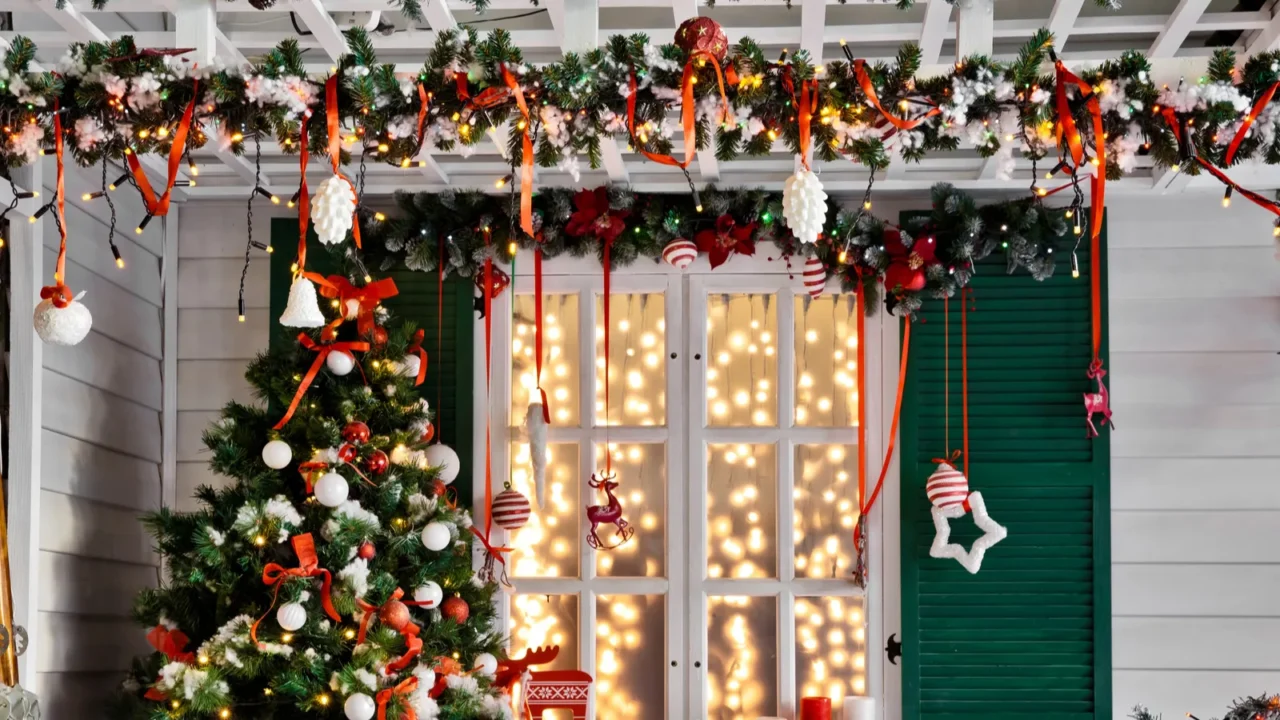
[[727, 238], [593, 216], [906, 265], [173, 643], [358, 303]]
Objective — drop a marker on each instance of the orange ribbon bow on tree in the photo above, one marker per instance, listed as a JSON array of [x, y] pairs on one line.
[[366, 299], [394, 613], [173, 643], [415, 348], [308, 566], [405, 688], [322, 352]]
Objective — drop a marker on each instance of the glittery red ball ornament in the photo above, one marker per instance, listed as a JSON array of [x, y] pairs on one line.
[[378, 335], [356, 432], [395, 615], [347, 453], [367, 550], [429, 434], [456, 609], [705, 35], [377, 462]]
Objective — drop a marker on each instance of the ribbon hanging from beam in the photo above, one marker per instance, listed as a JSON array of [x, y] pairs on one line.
[[159, 206], [868, 503], [869, 89], [526, 162], [58, 293], [335, 146], [492, 553]]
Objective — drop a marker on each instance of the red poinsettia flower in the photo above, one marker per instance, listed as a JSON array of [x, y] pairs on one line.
[[725, 239], [906, 265], [593, 216]]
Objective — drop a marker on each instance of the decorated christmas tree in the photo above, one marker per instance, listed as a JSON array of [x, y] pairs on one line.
[[333, 576]]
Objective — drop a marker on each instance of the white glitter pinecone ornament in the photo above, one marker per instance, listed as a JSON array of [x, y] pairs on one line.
[[62, 326], [804, 205], [332, 209]]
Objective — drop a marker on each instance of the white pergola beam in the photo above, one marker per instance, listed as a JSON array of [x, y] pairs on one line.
[[74, 22], [975, 28], [937, 19], [813, 19], [439, 16], [1062, 20], [1181, 23], [1268, 38], [576, 25], [325, 30]]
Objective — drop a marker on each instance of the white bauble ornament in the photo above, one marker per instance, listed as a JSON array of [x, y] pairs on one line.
[[303, 308], [804, 205], [486, 664], [535, 423], [351, 309], [442, 456], [359, 707], [332, 209], [409, 366], [429, 593], [277, 454], [340, 362], [291, 616], [331, 490], [62, 326], [435, 536]]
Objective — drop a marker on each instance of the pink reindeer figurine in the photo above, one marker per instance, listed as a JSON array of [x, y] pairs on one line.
[[607, 514], [1098, 402]]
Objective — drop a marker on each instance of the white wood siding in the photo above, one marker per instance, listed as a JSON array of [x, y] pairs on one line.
[[1195, 383]]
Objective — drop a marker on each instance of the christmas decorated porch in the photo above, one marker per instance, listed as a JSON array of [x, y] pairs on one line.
[[462, 360]]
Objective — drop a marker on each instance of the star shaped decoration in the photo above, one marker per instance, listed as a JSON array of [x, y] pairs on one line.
[[971, 559]]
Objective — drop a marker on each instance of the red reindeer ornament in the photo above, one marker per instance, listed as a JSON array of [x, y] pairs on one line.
[[547, 690], [1097, 402], [607, 514]]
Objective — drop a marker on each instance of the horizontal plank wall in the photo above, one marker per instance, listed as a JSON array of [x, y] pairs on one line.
[[100, 441], [1195, 385]]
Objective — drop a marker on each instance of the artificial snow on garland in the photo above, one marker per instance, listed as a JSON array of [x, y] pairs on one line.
[[804, 205], [62, 325], [332, 210]]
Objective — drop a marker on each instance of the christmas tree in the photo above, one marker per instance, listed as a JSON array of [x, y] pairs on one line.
[[333, 578]]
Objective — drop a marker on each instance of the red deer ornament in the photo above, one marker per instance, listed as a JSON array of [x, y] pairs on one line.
[[547, 690], [607, 514], [1097, 402]]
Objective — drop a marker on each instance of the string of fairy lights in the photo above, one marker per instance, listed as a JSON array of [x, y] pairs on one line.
[[742, 374]]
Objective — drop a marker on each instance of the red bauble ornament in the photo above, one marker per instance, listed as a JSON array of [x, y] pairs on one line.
[[395, 615], [705, 35], [511, 510], [347, 453], [377, 462], [456, 609], [367, 550], [378, 335], [438, 487], [356, 432], [429, 434]]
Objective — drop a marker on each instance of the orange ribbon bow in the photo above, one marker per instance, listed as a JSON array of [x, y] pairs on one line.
[[322, 352], [159, 206], [335, 145], [366, 298], [406, 687], [173, 644], [58, 292], [410, 630], [869, 89], [308, 566]]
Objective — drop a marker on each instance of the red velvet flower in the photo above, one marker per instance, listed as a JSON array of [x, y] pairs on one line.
[[906, 266], [727, 238], [593, 216]]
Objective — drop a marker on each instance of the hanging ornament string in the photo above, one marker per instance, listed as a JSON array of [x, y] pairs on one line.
[[893, 435], [335, 145], [537, 327], [966, 297], [608, 456], [526, 163], [58, 293], [322, 353], [159, 206], [439, 335], [806, 105], [304, 547]]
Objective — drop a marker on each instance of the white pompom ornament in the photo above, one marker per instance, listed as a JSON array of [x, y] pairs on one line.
[[277, 454], [428, 593], [443, 457], [486, 664], [340, 362], [62, 325], [359, 707], [814, 276], [804, 205], [303, 308], [291, 616], [435, 536], [331, 490], [332, 209]]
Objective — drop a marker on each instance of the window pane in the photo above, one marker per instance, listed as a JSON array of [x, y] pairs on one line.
[[742, 657], [559, 357], [742, 360], [547, 546], [742, 492], [641, 470], [831, 659], [826, 360], [542, 620], [637, 372], [631, 657], [826, 498]]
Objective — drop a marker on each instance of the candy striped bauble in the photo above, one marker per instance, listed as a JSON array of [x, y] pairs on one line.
[[680, 253], [947, 486], [511, 510], [814, 276]]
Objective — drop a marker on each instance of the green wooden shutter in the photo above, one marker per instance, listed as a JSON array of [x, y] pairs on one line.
[[1029, 636], [448, 386]]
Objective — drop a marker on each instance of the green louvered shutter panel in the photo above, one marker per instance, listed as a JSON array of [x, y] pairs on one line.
[[448, 386], [1029, 636]]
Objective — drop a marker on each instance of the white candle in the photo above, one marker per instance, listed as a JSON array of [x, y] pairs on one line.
[[859, 708]]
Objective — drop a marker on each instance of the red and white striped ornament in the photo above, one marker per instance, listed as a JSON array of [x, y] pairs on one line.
[[947, 486], [511, 510], [680, 253], [814, 275]]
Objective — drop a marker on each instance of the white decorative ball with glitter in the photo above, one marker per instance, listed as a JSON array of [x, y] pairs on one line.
[[428, 593], [331, 490], [436, 536], [277, 454], [359, 707], [291, 616], [62, 325], [340, 362], [486, 664], [804, 205], [443, 457], [332, 210]]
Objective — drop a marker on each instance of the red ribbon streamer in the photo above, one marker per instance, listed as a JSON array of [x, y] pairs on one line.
[[537, 328], [58, 293], [322, 352], [1266, 204], [424, 103], [308, 566], [173, 643], [687, 115], [335, 144], [160, 206], [415, 348], [893, 432], [526, 164], [869, 89], [806, 104], [367, 297], [406, 687], [608, 273], [492, 552], [1248, 122]]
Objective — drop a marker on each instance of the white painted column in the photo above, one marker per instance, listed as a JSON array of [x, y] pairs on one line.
[[975, 27]]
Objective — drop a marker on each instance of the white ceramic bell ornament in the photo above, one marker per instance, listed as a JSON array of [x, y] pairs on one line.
[[442, 456], [62, 325], [303, 308], [332, 210], [277, 454], [331, 490], [291, 616], [804, 205]]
